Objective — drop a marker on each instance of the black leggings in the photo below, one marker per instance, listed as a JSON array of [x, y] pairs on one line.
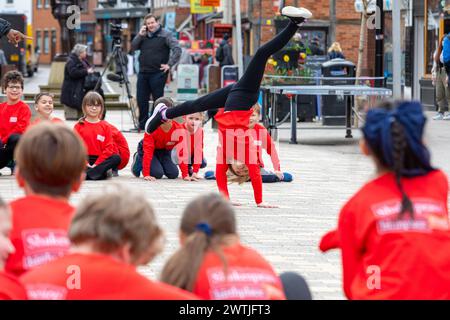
[[243, 94]]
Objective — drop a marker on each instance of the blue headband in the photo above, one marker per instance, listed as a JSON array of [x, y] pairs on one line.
[[377, 132], [205, 228]]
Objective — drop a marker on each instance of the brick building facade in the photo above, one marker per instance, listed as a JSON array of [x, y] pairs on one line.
[[47, 30], [348, 23]]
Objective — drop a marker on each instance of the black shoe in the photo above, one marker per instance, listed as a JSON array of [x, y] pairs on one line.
[[115, 173], [156, 119], [109, 174], [297, 15], [135, 165]]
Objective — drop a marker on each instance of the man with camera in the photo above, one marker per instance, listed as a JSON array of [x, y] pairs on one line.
[[159, 52]]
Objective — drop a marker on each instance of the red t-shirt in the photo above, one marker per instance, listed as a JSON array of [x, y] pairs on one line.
[[236, 143], [385, 257], [14, 118], [121, 146], [235, 138], [98, 138], [249, 276], [39, 232], [11, 288], [263, 140], [95, 277], [159, 139], [52, 120], [193, 144]]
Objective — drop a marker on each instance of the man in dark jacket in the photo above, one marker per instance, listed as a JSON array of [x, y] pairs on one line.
[[14, 36], [159, 52], [226, 52]]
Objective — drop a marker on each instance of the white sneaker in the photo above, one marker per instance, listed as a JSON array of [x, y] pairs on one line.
[[438, 116], [446, 117], [297, 15]]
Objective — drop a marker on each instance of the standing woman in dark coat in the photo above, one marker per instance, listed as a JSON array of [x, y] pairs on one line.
[[76, 70]]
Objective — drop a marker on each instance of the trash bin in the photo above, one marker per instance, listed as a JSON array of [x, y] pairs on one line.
[[333, 107]]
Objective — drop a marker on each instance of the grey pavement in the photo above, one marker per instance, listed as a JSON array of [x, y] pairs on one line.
[[327, 170]]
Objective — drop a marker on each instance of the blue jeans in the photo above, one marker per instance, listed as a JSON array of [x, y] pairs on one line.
[[149, 84], [162, 163], [191, 170]]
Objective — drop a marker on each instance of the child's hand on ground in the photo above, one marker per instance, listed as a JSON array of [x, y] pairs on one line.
[[149, 178], [189, 178], [279, 174], [266, 205]]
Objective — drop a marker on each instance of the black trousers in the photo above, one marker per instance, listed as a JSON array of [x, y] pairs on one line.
[[162, 164], [7, 150], [243, 94], [99, 172], [149, 84]]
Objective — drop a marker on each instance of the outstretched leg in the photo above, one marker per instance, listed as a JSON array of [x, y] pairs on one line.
[[213, 100], [244, 93]]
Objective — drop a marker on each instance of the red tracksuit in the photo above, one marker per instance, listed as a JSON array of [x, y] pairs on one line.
[[160, 139], [385, 257], [11, 288], [236, 143], [249, 276], [121, 146], [95, 276], [98, 138], [263, 140], [13, 119], [193, 143], [39, 232]]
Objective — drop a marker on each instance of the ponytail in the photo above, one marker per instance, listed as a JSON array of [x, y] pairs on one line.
[[399, 147], [205, 222], [182, 268]]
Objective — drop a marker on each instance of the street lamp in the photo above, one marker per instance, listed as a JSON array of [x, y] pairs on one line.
[[379, 43]]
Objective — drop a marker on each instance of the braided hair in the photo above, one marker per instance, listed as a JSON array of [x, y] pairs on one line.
[[404, 159], [400, 146]]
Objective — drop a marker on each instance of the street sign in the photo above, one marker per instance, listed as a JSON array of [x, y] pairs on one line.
[[196, 7], [212, 3], [387, 5], [230, 75], [170, 21], [187, 82], [221, 29], [371, 6]]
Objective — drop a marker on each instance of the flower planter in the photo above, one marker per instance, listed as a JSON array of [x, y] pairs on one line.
[[293, 58]]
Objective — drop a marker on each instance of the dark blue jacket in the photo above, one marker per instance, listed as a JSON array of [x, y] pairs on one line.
[[5, 26]]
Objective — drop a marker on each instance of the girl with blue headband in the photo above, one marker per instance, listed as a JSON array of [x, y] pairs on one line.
[[394, 232], [212, 263]]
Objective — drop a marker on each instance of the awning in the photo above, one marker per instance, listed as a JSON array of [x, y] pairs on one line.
[[120, 13], [209, 16]]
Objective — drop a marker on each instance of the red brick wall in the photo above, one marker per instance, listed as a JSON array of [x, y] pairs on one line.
[[348, 23], [43, 20]]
